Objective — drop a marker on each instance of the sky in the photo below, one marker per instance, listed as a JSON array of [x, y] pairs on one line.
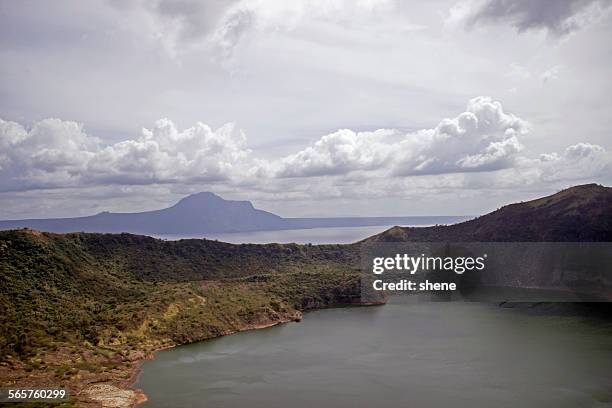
[[306, 108]]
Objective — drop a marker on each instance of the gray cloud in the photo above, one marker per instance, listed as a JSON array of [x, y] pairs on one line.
[[192, 18], [182, 24], [558, 17]]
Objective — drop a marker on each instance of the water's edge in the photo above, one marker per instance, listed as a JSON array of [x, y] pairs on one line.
[[139, 397]]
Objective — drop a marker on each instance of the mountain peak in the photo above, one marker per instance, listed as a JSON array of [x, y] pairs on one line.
[[202, 195], [209, 203], [202, 198]]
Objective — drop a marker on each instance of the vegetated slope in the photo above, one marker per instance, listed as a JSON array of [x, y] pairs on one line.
[[66, 283], [82, 308], [577, 214]]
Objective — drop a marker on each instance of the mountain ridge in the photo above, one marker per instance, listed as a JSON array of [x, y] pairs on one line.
[[202, 213], [580, 213]]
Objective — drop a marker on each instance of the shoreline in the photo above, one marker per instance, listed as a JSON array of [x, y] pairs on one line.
[[125, 395], [140, 397]]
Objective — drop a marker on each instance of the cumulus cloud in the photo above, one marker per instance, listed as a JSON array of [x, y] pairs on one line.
[[164, 154], [56, 153], [338, 153], [577, 162], [480, 146], [483, 138], [51, 153], [559, 17]]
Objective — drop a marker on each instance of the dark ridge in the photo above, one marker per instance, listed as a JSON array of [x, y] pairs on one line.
[[581, 213]]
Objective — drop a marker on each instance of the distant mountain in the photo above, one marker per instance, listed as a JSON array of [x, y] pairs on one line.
[[204, 213], [577, 214]]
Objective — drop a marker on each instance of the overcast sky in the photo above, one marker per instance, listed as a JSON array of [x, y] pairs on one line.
[[306, 108]]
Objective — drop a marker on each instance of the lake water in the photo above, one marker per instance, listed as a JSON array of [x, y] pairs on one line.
[[404, 354], [334, 235]]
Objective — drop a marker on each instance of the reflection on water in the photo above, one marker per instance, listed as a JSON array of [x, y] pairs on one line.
[[406, 353]]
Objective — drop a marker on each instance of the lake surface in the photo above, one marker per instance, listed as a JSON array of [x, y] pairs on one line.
[[406, 353], [336, 235]]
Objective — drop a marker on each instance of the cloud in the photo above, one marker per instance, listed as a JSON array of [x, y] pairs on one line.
[[164, 154], [337, 153], [480, 146], [558, 18], [56, 153], [189, 20], [219, 25], [483, 138], [578, 162], [186, 25], [52, 153]]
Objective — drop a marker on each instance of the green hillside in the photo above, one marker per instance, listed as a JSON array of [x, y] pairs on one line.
[[82, 307]]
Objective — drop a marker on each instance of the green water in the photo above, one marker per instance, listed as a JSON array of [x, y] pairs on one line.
[[407, 354]]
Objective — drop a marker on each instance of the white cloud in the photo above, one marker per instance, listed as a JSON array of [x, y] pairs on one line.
[[52, 153], [581, 161], [476, 149], [164, 154], [578, 163], [484, 138], [338, 153], [56, 153]]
